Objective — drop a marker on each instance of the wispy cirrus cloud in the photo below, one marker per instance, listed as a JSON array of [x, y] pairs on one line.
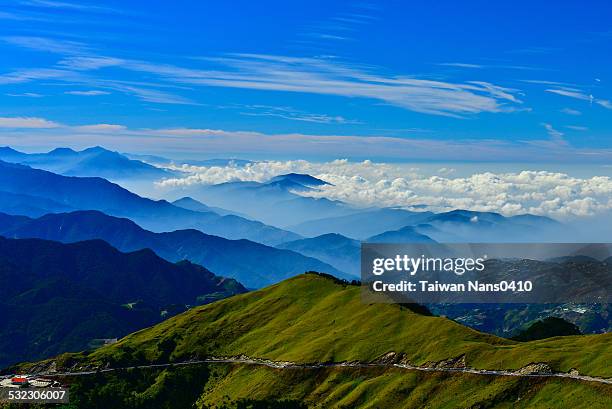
[[604, 103], [460, 65], [12, 16], [89, 93], [325, 76], [555, 134], [67, 6], [26, 95], [294, 114], [326, 36], [488, 66], [144, 91], [78, 66], [572, 93], [581, 95], [340, 27], [150, 94], [90, 62], [100, 128], [36, 74], [571, 111], [330, 77], [309, 75], [577, 128], [50, 45]]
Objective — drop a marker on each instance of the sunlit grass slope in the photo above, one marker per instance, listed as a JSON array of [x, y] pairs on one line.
[[394, 388], [311, 318]]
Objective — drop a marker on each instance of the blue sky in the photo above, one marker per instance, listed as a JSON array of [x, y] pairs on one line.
[[393, 80]]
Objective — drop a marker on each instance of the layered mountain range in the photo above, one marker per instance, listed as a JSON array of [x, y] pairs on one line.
[[253, 264], [26, 188], [224, 239]]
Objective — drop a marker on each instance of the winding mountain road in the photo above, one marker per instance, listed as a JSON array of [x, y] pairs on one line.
[[293, 365]]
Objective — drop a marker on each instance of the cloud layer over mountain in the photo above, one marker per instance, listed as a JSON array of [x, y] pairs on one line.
[[376, 184]]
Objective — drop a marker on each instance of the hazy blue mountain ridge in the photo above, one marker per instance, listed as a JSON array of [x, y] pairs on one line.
[[95, 161], [253, 264], [93, 193]]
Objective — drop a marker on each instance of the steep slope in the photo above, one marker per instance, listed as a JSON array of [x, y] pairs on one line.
[[100, 194], [390, 388], [313, 319], [335, 249], [253, 264], [57, 297]]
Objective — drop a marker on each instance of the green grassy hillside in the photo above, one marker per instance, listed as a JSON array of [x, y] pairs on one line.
[[394, 388], [311, 318]]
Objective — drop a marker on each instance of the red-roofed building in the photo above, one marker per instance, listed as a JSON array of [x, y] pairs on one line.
[[19, 381]]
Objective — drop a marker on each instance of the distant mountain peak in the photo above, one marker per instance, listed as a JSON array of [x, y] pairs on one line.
[[299, 178], [187, 199], [190, 203], [333, 236], [62, 151], [96, 149], [407, 234]]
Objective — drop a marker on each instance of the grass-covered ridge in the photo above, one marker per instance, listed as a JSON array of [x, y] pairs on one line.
[[311, 318]]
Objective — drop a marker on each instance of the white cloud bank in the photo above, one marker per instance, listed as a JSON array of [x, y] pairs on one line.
[[376, 184]]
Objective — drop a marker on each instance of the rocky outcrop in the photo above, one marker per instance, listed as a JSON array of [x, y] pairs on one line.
[[392, 358], [457, 362], [537, 368]]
